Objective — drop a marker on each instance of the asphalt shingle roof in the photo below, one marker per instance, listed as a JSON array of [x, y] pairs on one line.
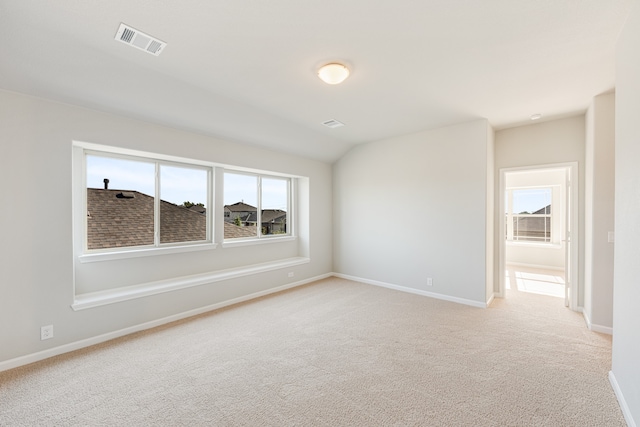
[[268, 215], [118, 218], [241, 207]]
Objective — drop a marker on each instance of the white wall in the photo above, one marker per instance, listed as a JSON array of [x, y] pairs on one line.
[[626, 300], [599, 212], [36, 253], [413, 207], [545, 143]]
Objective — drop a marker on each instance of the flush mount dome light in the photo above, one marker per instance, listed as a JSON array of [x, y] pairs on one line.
[[333, 73]]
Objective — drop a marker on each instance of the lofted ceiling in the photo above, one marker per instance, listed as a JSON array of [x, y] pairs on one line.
[[245, 70]]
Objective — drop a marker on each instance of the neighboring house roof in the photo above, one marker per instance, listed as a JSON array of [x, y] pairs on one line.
[[240, 207], [117, 218], [232, 231], [269, 215], [542, 211], [198, 208], [121, 218]]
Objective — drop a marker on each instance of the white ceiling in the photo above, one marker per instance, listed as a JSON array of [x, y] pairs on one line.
[[245, 70]]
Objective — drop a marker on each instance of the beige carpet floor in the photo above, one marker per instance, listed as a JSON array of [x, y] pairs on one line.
[[333, 353]]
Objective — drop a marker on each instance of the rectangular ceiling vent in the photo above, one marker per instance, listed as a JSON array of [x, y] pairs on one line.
[[333, 123], [140, 40]]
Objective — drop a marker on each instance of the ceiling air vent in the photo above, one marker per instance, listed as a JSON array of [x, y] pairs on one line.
[[333, 123], [140, 40]]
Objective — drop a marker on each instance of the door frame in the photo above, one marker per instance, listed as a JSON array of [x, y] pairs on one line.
[[571, 261]]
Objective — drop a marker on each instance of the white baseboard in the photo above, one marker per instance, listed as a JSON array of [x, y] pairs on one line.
[[65, 348], [621, 400], [596, 328], [413, 291], [602, 329], [491, 298]]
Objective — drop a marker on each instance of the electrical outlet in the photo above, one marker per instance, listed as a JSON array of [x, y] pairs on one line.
[[46, 332], [429, 281], [291, 274]]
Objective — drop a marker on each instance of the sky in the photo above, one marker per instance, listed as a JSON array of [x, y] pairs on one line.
[[180, 184], [531, 200]]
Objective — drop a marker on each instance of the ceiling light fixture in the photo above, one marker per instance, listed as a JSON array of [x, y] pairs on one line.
[[333, 73], [537, 116]]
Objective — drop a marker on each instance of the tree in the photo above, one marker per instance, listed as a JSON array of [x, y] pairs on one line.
[[237, 221], [189, 204]]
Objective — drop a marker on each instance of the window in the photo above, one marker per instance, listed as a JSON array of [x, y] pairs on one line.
[[129, 204], [256, 205], [141, 202], [529, 215]]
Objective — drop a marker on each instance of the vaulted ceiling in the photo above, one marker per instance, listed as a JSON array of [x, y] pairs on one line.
[[245, 70]]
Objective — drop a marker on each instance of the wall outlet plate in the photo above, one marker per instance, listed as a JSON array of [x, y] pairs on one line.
[[46, 332]]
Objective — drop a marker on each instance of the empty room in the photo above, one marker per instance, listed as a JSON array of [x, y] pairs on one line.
[[320, 213]]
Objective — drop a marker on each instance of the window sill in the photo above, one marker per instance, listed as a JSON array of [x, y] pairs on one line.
[[251, 241], [142, 252], [535, 244], [111, 296]]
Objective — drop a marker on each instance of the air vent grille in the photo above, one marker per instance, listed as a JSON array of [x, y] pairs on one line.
[[333, 123], [154, 46], [127, 35], [139, 40]]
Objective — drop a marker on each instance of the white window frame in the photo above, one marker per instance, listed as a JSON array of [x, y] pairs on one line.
[[81, 151], [215, 209], [289, 220]]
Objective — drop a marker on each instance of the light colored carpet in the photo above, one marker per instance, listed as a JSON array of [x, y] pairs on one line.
[[333, 353]]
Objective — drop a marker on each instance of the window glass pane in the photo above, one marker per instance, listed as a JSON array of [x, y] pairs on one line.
[[531, 228], [120, 202], [274, 206], [532, 201], [183, 199], [240, 205]]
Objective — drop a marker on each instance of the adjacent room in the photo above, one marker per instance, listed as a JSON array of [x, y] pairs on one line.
[[319, 213], [536, 218]]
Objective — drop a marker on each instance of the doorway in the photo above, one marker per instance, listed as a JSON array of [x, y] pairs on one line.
[[538, 250]]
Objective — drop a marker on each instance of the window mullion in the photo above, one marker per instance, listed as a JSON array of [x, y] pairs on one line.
[[510, 217], [289, 221], [550, 204], [156, 208], [259, 209]]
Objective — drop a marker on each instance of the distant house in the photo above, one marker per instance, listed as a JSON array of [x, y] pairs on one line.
[[533, 227], [273, 221], [121, 218], [238, 210]]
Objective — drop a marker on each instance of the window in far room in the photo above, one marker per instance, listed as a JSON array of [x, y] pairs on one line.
[[529, 215]]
